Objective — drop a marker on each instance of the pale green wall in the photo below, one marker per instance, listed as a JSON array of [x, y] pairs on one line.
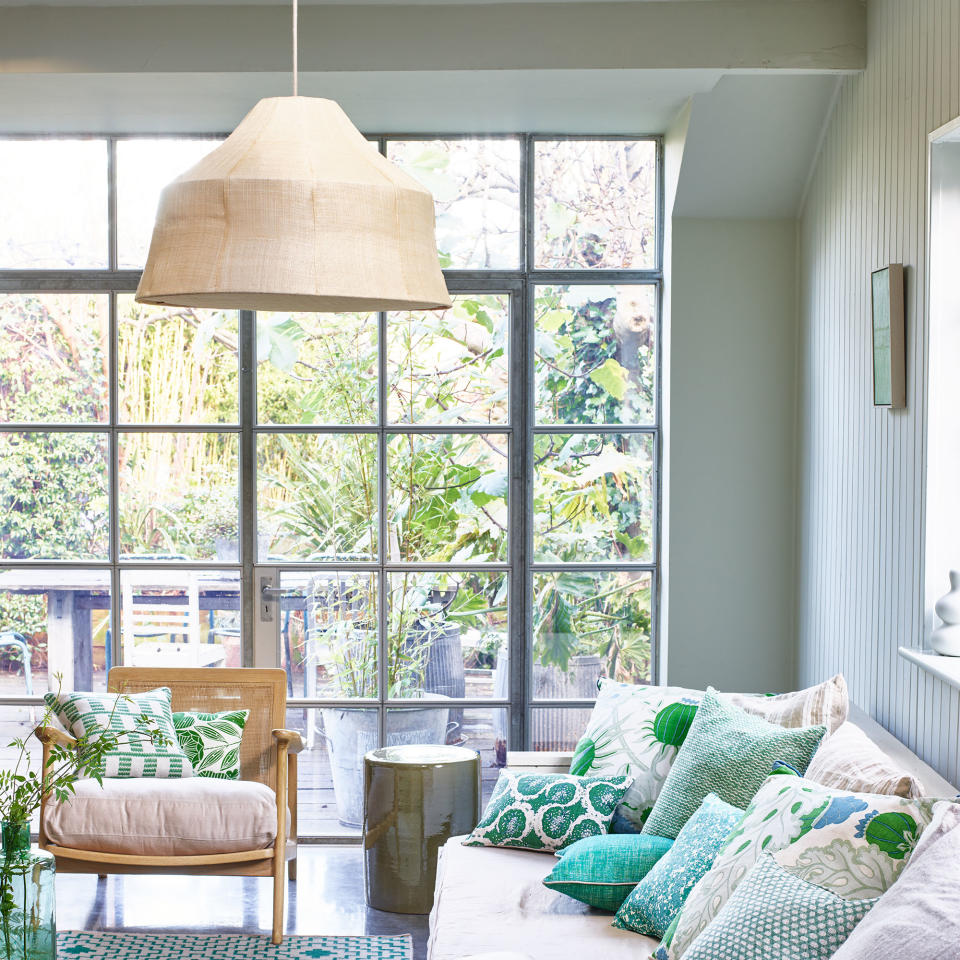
[[729, 596]]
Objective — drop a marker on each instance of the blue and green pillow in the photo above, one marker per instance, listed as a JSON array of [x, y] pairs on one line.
[[730, 753], [658, 898]]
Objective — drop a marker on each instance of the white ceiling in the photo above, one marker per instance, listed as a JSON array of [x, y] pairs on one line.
[[444, 101]]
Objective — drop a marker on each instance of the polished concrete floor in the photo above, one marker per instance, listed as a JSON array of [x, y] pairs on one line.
[[327, 898]]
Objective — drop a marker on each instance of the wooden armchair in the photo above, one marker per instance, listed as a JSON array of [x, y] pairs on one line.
[[268, 755]]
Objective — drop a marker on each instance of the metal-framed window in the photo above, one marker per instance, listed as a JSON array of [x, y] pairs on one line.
[[598, 404]]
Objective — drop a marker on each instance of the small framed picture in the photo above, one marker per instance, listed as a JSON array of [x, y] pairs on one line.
[[889, 364]]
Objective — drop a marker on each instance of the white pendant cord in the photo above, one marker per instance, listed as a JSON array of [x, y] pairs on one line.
[[295, 47]]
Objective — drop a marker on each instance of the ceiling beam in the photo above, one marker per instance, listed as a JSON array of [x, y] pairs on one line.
[[740, 35]]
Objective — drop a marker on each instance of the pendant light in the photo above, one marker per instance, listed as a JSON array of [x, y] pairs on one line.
[[295, 210]]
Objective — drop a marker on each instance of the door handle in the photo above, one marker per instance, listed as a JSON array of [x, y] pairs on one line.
[[269, 595]]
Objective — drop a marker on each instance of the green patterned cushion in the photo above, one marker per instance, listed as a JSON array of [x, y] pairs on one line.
[[657, 899], [730, 753], [601, 871], [136, 755], [635, 731], [774, 915], [547, 811], [834, 831], [211, 742]]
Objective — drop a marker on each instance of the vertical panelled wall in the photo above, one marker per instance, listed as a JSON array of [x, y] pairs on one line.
[[861, 469]]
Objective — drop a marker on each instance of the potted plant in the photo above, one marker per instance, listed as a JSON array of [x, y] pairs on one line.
[[27, 896]]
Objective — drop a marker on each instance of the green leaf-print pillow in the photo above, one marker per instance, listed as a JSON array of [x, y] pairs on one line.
[[547, 811], [212, 741], [854, 844]]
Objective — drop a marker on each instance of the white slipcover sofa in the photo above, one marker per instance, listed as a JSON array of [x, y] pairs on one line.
[[493, 900]]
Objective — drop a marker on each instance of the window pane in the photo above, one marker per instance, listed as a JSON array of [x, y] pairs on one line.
[[179, 495], [595, 359], [53, 621], [587, 625], [328, 633], [481, 729], [19, 723], [144, 168], [557, 729], [53, 206], [317, 497], [317, 368], [332, 783], [593, 497], [180, 618], [176, 364], [53, 357], [447, 499], [53, 496], [450, 367], [448, 636], [476, 188], [595, 204]]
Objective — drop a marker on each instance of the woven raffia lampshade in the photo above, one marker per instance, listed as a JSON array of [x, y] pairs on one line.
[[295, 210]]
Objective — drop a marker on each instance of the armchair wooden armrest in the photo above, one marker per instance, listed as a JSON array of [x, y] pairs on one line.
[[292, 739], [51, 736]]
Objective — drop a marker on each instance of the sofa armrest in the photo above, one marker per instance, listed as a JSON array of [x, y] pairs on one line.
[[292, 739], [538, 761]]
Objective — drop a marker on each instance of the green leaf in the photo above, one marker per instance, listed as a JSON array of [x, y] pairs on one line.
[[553, 320], [612, 377]]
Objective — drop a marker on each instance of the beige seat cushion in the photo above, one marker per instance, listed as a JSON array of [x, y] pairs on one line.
[[150, 817]]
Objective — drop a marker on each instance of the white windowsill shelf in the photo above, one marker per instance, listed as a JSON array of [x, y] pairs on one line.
[[946, 668]]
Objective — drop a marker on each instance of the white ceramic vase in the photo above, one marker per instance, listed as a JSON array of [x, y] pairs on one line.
[[945, 639]]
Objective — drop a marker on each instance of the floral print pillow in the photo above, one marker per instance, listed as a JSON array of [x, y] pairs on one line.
[[853, 844], [547, 812], [211, 741]]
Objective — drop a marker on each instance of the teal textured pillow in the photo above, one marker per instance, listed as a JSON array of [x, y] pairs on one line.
[[136, 755], [601, 871], [657, 899], [773, 915], [730, 753], [547, 811], [211, 741]]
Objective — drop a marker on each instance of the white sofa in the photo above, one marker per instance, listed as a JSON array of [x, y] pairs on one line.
[[490, 900]]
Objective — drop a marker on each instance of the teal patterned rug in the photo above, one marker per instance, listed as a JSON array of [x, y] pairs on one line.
[[178, 946]]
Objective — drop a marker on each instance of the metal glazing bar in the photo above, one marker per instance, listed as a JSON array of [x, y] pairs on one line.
[[391, 428], [598, 567], [112, 243], [246, 346], [398, 566], [383, 533], [562, 428], [113, 471]]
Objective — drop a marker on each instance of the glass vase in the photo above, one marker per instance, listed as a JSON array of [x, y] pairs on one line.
[[27, 897]]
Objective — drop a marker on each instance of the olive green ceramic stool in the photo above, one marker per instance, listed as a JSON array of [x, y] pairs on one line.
[[415, 799]]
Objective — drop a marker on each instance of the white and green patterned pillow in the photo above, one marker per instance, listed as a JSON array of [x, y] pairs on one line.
[[211, 742], [775, 915], [137, 755], [844, 842], [635, 731], [547, 811]]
